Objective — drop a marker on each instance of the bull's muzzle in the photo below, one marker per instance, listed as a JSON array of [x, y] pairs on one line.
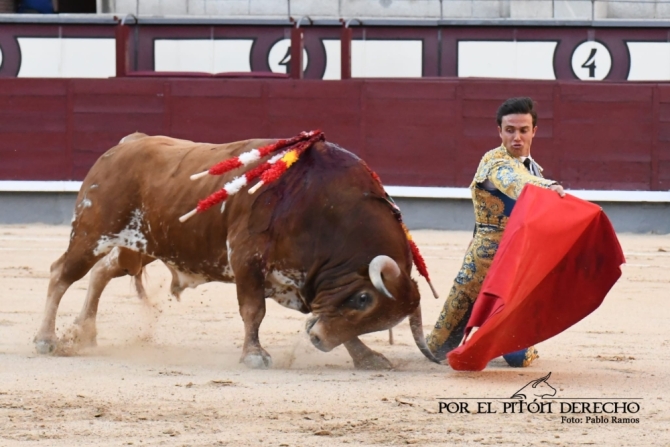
[[315, 335]]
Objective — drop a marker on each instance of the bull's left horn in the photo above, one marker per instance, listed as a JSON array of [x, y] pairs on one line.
[[383, 264], [416, 325]]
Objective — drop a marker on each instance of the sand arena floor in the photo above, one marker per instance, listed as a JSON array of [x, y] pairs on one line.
[[168, 373]]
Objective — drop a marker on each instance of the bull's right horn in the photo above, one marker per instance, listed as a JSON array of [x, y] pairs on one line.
[[416, 325], [386, 265]]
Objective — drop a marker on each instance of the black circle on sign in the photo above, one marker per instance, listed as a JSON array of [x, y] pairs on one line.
[[612, 40]]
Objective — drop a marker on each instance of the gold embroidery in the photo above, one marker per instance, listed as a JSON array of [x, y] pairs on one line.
[[509, 176], [489, 209], [449, 327]]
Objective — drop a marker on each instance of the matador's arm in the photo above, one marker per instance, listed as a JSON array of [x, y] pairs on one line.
[[510, 177]]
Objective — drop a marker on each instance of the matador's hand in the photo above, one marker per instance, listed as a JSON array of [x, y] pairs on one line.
[[559, 189]]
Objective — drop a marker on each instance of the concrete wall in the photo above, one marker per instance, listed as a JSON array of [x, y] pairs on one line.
[[396, 9], [437, 214]]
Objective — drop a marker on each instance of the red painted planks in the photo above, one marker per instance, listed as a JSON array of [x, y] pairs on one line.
[[413, 132]]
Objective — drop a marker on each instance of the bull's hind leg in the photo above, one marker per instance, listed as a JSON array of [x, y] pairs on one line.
[[66, 270], [364, 357], [118, 262], [137, 278], [251, 299]]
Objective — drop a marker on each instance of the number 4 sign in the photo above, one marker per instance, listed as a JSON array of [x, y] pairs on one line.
[[591, 61]]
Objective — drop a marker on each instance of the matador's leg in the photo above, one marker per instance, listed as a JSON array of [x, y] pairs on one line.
[[450, 325]]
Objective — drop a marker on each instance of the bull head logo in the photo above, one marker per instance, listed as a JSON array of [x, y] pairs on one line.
[[538, 388]]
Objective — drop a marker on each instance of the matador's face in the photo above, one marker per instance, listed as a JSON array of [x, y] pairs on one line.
[[517, 132]]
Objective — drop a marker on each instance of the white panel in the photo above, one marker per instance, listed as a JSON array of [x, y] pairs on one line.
[[333, 58], [649, 61], [0, 57], [376, 59], [506, 59], [386, 58], [205, 55], [232, 55], [40, 57], [69, 57], [433, 192], [88, 58]]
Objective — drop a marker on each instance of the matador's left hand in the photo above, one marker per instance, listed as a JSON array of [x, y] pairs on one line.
[[559, 189]]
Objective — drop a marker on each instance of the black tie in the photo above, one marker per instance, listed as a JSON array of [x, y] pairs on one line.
[[526, 163]]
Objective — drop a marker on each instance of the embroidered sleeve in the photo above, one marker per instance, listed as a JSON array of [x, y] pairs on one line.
[[510, 177]]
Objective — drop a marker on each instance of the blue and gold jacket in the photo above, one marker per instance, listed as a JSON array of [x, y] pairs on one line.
[[508, 175]]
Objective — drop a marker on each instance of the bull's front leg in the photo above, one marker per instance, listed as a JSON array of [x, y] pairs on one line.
[[251, 299], [364, 357]]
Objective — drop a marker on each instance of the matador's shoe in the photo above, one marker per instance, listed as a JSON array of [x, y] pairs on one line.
[[521, 358]]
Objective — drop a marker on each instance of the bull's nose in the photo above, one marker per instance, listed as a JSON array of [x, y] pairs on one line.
[[316, 341], [315, 336]]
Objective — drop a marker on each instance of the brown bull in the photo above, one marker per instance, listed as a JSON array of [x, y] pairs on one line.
[[321, 239]]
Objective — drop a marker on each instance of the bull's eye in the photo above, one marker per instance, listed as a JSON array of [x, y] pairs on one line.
[[359, 301]]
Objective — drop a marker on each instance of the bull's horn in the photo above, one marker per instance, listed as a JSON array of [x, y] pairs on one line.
[[387, 266], [416, 325]]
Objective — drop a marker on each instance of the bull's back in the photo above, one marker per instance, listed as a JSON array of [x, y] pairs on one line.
[[146, 182]]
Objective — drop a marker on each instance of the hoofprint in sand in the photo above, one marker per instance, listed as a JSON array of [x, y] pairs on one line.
[[167, 372]]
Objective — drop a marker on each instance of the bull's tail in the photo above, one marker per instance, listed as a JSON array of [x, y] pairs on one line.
[[416, 325], [139, 285]]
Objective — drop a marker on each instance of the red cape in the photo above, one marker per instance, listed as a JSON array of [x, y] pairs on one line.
[[557, 260]]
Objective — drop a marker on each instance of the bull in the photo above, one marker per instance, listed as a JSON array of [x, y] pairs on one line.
[[321, 240]]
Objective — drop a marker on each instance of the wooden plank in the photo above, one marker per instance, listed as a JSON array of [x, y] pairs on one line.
[[212, 88], [487, 108], [15, 121], [124, 123], [593, 111], [119, 86], [501, 90], [308, 89], [117, 103], [33, 87], [606, 92], [30, 104], [424, 89]]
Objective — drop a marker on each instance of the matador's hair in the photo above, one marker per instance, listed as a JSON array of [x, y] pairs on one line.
[[523, 105]]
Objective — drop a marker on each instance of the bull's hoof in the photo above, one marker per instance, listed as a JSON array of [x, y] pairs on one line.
[[372, 361], [257, 360], [45, 347], [79, 336]]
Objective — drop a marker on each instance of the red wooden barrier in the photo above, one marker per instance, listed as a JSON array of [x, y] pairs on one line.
[[429, 132], [122, 35]]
